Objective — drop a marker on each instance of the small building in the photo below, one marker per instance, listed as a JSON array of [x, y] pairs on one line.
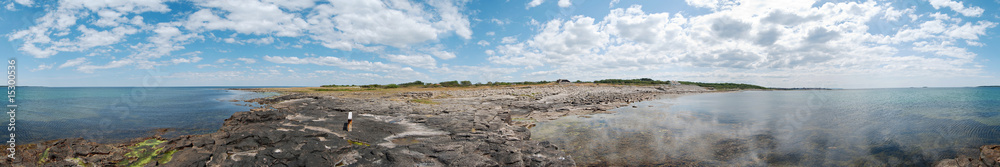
[[562, 81]]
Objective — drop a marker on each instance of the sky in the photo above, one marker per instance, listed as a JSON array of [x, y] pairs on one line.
[[774, 43]]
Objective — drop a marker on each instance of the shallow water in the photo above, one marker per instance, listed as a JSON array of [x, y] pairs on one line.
[[776, 128], [112, 114]]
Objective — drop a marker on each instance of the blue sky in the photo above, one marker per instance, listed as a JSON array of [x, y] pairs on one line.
[[791, 43]]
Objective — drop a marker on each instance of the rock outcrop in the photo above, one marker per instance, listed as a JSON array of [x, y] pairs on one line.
[[479, 127]]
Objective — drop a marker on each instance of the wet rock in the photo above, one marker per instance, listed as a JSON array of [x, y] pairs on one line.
[[988, 157]]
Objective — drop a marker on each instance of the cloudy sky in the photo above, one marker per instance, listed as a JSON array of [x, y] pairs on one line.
[[778, 43]]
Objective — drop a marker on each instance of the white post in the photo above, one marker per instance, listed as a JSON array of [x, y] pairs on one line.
[[350, 120]]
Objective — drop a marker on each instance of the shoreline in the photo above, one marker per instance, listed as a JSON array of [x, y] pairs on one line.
[[430, 127], [485, 126]]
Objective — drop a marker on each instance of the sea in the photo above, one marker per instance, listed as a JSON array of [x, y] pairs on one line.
[[853, 127], [117, 114]]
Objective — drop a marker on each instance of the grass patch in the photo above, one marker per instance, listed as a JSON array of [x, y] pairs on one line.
[[145, 152], [358, 143], [424, 101], [44, 157]]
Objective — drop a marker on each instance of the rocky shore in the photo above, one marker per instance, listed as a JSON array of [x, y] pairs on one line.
[[989, 155], [407, 127], [446, 127]]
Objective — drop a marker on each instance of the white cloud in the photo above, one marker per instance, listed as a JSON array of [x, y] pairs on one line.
[[443, 54], [258, 41], [565, 3], [74, 62], [42, 67], [612, 3], [712, 4], [509, 39], [498, 21], [185, 60], [959, 7], [338, 62], [491, 33], [247, 17], [247, 60], [533, 3], [353, 24], [417, 60], [368, 25], [483, 43], [27, 3], [87, 68], [772, 37]]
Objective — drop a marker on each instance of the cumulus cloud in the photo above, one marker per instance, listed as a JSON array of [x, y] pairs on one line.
[[748, 36], [565, 3], [957, 7], [367, 25], [533, 3]]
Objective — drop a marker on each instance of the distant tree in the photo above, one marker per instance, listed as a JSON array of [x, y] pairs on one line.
[[449, 84], [466, 83]]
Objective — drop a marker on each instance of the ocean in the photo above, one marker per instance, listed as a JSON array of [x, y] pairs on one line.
[[859, 127], [116, 114]]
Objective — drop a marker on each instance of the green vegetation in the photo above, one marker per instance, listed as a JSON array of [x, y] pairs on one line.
[[145, 152], [357, 143], [44, 156], [166, 157], [723, 85], [641, 81], [336, 86]]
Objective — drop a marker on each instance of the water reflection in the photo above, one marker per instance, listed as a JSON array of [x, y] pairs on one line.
[[800, 128]]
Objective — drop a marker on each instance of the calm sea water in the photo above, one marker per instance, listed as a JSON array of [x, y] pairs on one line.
[[871, 127], [111, 114]]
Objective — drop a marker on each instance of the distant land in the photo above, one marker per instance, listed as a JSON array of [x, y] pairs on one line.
[[990, 86]]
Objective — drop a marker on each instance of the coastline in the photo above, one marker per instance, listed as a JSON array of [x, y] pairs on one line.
[[431, 127], [486, 126]]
